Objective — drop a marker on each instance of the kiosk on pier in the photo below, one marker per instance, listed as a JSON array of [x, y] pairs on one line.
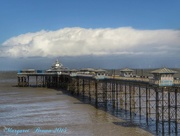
[[163, 77]]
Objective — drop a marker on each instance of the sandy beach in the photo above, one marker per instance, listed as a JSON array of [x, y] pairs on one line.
[[42, 111]]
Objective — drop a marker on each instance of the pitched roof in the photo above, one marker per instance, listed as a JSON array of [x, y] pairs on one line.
[[126, 70], [28, 70], [73, 70], [100, 70], [87, 69], [57, 69], [163, 71]]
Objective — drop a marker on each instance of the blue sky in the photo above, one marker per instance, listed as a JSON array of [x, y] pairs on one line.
[[22, 16], [19, 17]]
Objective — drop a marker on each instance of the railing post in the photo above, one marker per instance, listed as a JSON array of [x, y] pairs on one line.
[[77, 79], [147, 115], [169, 109], [162, 110], [140, 101], [89, 90], [130, 104], [125, 98], [96, 93], [117, 98], [83, 86], [157, 110], [105, 94], [113, 93], [176, 119]]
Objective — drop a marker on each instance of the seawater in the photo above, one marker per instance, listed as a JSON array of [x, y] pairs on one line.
[[28, 111]]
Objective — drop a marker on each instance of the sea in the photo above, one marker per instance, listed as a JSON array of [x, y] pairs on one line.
[[38, 111]]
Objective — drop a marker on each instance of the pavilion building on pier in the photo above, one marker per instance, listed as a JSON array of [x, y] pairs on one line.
[[163, 77]]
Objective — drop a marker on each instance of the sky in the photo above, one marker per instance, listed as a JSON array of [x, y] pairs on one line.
[[89, 33]]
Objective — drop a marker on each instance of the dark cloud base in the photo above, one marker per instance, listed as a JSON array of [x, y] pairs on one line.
[[107, 62]]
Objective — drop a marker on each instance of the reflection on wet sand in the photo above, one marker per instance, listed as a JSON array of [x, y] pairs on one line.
[[50, 110]]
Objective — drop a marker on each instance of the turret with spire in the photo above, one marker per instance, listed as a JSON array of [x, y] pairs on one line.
[[57, 64], [57, 67]]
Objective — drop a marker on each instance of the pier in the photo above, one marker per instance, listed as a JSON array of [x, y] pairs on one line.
[[153, 103]]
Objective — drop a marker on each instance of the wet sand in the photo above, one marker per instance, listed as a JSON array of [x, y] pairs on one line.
[[58, 114]]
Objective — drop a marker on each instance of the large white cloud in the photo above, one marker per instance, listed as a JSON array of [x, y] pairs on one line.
[[80, 41]]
